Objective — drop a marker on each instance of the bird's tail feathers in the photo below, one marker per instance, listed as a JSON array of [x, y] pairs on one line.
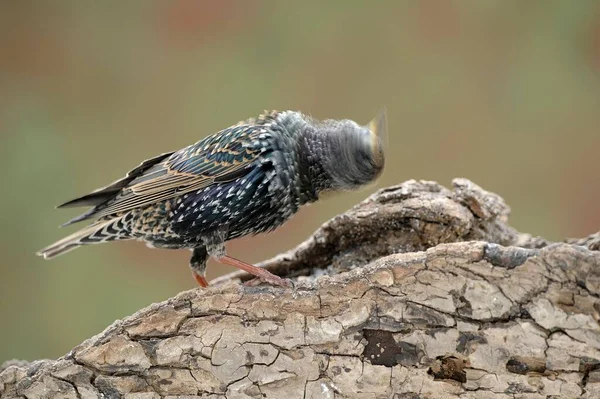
[[96, 233]]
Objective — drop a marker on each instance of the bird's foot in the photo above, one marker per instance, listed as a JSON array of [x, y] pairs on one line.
[[198, 265], [262, 275], [200, 279]]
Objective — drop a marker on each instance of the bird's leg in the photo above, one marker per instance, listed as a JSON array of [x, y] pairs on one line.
[[216, 248], [198, 265], [259, 272]]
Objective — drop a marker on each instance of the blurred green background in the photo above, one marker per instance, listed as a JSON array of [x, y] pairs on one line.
[[505, 93]]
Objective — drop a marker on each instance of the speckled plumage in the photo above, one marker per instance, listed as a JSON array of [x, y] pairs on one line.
[[247, 179]]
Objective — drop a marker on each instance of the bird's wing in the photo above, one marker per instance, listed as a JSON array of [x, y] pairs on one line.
[[224, 156], [104, 194]]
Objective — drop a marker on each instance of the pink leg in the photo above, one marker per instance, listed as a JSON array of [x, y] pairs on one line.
[[262, 274], [200, 279]]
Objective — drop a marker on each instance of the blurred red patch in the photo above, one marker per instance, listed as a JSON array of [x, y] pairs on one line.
[[438, 21], [189, 22], [595, 40]]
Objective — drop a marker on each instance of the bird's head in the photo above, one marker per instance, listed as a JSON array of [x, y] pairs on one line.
[[355, 153]]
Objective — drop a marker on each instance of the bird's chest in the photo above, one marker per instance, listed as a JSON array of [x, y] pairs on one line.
[[271, 205]]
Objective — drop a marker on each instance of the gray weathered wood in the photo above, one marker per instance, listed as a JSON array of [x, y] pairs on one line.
[[419, 291]]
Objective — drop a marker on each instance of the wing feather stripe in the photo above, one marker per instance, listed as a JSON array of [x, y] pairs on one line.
[[224, 156]]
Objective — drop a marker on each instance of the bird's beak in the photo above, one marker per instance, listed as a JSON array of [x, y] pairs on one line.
[[378, 128]]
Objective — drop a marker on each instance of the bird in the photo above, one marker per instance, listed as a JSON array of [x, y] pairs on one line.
[[246, 179]]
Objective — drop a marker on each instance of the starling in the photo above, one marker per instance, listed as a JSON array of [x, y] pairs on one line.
[[246, 179]]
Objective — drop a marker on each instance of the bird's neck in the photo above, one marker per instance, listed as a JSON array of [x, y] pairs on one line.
[[312, 156]]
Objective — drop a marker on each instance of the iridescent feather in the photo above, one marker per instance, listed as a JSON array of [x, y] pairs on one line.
[[246, 179]]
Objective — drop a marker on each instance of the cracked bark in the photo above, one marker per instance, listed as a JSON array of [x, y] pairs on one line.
[[418, 291]]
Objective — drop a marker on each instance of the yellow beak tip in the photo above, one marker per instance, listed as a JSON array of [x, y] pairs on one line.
[[379, 124]]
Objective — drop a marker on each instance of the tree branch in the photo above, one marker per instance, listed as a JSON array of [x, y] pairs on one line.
[[418, 291]]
